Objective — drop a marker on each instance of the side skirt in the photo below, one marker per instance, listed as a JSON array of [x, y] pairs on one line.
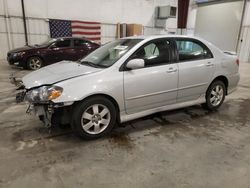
[[127, 117]]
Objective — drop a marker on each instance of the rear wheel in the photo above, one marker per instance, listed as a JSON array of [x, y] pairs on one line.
[[215, 95], [34, 63], [94, 118]]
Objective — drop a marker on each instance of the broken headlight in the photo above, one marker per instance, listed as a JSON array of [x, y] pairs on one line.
[[44, 94]]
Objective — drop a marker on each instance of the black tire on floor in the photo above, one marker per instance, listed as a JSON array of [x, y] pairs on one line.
[[34, 63], [87, 106], [211, 104]]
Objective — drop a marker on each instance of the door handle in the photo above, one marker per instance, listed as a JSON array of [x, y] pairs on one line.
[[171, 69], [209, 64]]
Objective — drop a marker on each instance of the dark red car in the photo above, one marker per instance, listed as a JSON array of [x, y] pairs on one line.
[[51, 51]]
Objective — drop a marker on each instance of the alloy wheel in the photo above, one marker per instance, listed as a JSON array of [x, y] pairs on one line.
[[35, 63], [216, 95], [95, 119]]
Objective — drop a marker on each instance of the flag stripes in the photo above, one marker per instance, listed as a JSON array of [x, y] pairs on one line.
[[75, 28]]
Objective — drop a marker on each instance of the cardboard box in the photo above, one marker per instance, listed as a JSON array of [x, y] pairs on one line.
[[134, 29]]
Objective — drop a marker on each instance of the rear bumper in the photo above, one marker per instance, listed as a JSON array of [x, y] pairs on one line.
[[233, 81]]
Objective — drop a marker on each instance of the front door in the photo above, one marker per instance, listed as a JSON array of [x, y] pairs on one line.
[[60, 50], [155, 85], [81, 47]]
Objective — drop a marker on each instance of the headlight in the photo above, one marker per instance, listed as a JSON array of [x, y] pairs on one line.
[[44, 94], [18, 54]]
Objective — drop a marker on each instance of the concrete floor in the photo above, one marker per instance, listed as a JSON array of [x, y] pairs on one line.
[[190, 147]]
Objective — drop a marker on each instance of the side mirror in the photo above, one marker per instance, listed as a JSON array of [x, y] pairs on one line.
[[135, 64]]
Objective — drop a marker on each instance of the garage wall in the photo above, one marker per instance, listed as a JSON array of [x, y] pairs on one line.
[[219, 23], [108, 12], [244, 45]]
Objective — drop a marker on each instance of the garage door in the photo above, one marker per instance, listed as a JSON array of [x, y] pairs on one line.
[[219, 23]]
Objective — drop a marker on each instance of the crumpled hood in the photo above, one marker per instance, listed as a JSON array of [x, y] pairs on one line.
[[55, 73]]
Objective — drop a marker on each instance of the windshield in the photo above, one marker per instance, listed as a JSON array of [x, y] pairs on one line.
[[47, 42], [108, 54]]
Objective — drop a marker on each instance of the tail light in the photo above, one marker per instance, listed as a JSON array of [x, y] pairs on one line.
[[237, 62]]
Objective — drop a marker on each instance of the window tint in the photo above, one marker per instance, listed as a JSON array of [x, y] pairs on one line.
[[79, 42], [155, 52], [63, 43], [192, 50]]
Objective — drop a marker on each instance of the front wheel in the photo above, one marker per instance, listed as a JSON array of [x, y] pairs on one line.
[[215, 95], [94, 118], [34, 63]]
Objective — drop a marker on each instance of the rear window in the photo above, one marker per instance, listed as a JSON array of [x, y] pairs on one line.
[[63, 43], [79, 42], [189, 49]]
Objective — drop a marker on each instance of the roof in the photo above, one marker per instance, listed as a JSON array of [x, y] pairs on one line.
[[58, 38], [157, 36]]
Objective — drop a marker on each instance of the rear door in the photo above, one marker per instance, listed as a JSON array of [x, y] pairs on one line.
[[196, 68], [155, 85]]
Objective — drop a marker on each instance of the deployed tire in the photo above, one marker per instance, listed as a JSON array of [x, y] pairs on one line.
[[94, 117], [34, 63], [215, 95]]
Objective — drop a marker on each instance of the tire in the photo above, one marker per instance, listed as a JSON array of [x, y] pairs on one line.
[[93, 118], [34, 63], [215, 95]]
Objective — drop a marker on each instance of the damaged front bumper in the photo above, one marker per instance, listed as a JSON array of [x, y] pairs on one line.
[[49, 113], [44, 112]]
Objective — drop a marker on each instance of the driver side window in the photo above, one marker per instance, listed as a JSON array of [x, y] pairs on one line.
[[62, 43], [155, 53]]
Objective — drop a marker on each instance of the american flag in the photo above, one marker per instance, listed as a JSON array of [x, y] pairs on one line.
[[75, 28]]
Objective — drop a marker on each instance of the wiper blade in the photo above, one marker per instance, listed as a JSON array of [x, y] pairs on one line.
[[87, 63], [92, 64]]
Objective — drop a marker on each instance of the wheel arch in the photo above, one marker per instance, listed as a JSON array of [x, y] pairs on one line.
[[34, 55], [222, 78], [107, 97]]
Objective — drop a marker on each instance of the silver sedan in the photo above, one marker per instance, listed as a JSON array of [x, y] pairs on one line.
[[130, 78]]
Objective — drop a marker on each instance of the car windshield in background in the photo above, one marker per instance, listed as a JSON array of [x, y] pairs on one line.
[[47, 42], [108, 54]]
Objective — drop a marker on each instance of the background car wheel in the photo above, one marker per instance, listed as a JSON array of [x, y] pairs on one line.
[[215, 95], [94, 118], [34, 63]]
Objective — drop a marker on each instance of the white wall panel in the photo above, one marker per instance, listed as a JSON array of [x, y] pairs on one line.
[[18, 40], [153, 31], [108, 32], [16, 25], [14, 7], [39, 8], [4, 45], [38, 26], [1, 7], [2, 25], [37, 39]]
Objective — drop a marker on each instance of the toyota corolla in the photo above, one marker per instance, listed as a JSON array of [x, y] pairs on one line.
[[130, 78]]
